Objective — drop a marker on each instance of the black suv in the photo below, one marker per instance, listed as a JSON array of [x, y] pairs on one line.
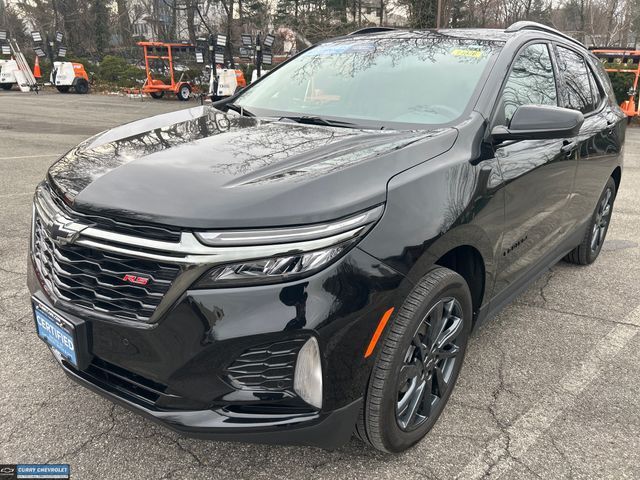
[[307, 258]]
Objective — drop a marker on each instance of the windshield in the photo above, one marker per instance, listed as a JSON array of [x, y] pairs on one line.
[[425, 79]]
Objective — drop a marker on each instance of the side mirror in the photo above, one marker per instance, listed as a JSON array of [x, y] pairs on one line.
[[539, 122]]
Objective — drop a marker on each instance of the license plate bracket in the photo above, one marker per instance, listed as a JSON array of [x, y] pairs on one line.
[[66, 337]]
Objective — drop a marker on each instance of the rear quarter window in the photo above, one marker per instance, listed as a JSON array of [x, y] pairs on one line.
[[605, 81]]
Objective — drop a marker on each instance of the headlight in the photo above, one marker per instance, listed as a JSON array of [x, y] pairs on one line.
[[272, 270], [292, 252]]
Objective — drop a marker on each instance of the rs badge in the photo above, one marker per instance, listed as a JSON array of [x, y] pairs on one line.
[[135, 279]]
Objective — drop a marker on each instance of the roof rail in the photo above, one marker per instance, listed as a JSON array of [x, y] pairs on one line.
[[526, 25], [368, 30]]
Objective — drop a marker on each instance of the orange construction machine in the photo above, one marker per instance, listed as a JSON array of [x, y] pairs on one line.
[[165, 52], [625, 61]]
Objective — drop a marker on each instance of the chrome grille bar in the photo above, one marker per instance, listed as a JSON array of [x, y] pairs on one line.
[[189, 250]]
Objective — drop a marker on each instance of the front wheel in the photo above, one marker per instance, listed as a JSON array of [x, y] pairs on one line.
[[418, 363], [587, 252], [6, 86], [157, 95], [62, 88]]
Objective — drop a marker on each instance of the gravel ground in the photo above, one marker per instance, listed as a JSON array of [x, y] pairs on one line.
[[550, 388]]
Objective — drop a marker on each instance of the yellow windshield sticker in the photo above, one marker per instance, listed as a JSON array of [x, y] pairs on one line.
[[459, 52]]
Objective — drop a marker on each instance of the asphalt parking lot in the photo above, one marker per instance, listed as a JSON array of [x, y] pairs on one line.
[[550, 388]]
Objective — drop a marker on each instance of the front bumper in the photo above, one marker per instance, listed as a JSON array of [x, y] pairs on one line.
[[325, 430], [176, 371]]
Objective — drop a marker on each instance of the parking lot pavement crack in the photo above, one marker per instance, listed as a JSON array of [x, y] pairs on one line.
[[563, 455], [425, 475], [502, 453], [68, 454], [546, 284], [185, 449], [16, 294], [13, 272], [16, 324], [582, 315], [172, 473]]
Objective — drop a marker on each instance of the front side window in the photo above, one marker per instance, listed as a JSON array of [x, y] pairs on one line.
[[578, 93], [531, 82], [422, 78]]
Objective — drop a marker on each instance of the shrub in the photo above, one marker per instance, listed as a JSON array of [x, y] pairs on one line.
[[116, 71]]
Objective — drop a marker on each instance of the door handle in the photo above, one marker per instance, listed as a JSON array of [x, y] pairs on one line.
[[568, 147]]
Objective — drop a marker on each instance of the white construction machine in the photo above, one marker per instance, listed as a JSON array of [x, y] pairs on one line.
[[17, 71]]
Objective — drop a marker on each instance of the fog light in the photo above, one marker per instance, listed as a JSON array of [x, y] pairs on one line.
[[307, 381]]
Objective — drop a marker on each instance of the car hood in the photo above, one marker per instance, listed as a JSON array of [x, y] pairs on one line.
[[201, 168]]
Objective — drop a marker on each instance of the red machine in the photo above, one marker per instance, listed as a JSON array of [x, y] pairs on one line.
[[629, 63], [164, 51]]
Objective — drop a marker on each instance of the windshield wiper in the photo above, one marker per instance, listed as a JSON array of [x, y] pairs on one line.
[[312, 120], [237, 108]]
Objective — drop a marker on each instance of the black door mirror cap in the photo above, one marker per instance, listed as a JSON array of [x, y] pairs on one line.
[[539, 122]]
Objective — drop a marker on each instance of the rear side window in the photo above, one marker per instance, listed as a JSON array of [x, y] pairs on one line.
[[578, 90], [531, 82]]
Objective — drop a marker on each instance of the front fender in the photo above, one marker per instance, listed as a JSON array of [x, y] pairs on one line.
[[435, 207]]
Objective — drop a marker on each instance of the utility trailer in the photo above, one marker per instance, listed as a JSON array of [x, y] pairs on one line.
[[165, 52]]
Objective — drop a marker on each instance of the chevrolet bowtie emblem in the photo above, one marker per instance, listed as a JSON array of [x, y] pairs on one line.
[[64, 232]]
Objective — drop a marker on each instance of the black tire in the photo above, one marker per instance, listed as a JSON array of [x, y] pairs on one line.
[[587, 252], [184, 92], [157, 95], [82, 86], [6, 86], [399, 372], [62, 89]]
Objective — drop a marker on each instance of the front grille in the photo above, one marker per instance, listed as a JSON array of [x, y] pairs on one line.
[[93, 279], [269, 367]]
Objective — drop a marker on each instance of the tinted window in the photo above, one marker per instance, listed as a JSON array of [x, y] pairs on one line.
[[531, 82], [604, 80], [578, 93], [595, 89], [428, 79]]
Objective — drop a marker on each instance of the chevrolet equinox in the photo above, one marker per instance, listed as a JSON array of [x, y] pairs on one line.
[[306, 259]]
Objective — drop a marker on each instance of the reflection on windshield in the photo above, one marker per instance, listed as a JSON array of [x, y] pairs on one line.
[[427, 78]]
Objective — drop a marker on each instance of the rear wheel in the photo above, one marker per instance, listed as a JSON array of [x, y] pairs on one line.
[[157, 95], [6, 86], [62, 89], [82, 86], [587, 252], [418, 363], [184, 92]]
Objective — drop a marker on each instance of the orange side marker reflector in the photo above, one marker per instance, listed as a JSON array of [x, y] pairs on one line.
[[378, 332]]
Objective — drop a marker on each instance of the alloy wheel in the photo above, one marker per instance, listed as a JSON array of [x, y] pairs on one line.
[[601, 221], [429, 363]]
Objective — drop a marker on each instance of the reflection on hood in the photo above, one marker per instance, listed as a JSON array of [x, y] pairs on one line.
[[165, 166]]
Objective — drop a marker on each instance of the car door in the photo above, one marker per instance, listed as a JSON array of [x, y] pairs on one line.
[[599, 138], [538, 174]]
